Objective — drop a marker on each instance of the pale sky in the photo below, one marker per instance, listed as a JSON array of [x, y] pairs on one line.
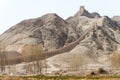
[[14, 11]]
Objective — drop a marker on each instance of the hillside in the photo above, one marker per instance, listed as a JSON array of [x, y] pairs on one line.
[[84, 34]]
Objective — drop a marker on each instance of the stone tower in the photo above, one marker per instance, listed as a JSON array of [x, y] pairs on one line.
[[82, 8]]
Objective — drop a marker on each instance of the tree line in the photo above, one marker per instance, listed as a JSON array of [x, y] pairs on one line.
[[30, 56]]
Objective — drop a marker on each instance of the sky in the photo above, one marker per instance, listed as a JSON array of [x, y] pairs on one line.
[[14, 11]]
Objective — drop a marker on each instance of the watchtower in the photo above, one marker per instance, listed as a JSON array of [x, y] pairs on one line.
[[82, 8]]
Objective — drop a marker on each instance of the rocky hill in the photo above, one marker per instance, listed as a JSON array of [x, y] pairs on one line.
[[57, 35]]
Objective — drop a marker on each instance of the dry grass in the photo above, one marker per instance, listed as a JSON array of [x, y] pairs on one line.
[[105, 77]]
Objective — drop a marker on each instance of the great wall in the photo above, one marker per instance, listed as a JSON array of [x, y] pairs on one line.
[[64, 49]]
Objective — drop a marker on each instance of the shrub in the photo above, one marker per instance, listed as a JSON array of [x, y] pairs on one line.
[[92, 73], [101, 71]]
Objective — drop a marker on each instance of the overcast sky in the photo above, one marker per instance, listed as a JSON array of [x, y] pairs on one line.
[[14, 11]]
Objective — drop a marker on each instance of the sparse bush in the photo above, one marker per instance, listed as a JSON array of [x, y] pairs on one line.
[[101, 71], [92, 73]]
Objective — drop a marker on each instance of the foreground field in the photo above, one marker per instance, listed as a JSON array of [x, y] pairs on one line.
[[60, 77]]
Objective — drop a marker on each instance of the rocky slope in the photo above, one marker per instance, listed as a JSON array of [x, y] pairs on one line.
[[53, 33]]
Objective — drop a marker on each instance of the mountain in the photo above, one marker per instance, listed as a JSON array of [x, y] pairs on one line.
[[49, 30], [87, 34]]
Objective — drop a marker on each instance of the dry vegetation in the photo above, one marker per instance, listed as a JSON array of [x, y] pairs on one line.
[[33, 51], [60, 78], [77, 62], [29, 53], [115, 60]]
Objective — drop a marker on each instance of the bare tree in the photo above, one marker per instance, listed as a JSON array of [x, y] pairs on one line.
[[76, 62], [25, 53], [37, 50], [45, 64], [3, 57], [31, 53], [115, 60], [3, 61]]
